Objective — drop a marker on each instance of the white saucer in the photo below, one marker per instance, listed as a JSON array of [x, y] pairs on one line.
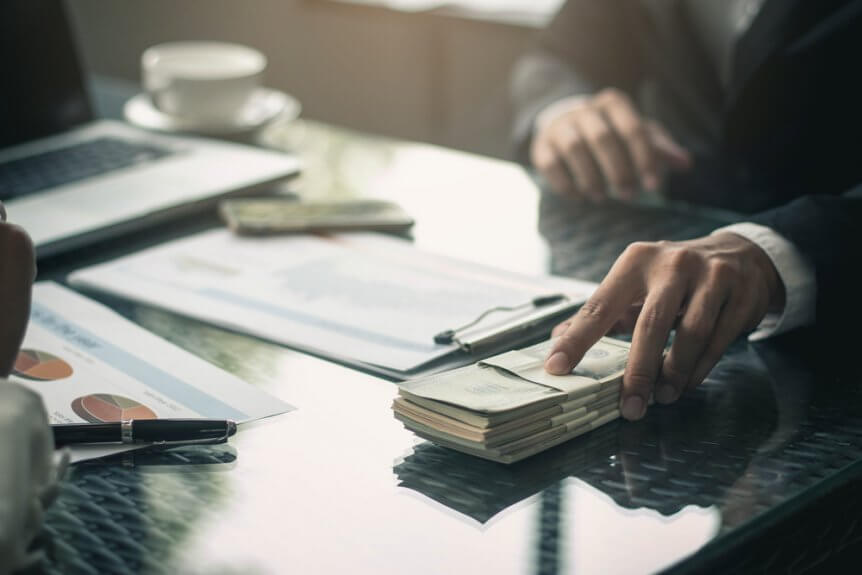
[[264, 106]]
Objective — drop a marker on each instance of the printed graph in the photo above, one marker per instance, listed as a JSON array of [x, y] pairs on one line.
[[38, 365], [105, 407]]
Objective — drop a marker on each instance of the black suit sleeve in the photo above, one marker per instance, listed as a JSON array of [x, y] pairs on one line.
[[589, 44], [828, 230]]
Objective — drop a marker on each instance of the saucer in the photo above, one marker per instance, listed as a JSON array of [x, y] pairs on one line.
[[264, 106]]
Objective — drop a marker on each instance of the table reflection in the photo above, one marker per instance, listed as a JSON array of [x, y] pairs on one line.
[[131, 511], [691, 453]]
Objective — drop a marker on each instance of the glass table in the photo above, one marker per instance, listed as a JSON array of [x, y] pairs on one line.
[[753, 471]]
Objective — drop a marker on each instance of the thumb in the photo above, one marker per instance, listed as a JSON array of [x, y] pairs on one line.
[[675, 156]]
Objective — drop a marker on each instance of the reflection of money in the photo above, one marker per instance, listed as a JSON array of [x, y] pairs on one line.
[[507, 407]]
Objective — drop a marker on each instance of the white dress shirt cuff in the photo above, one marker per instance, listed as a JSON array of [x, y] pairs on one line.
[[795, 271]]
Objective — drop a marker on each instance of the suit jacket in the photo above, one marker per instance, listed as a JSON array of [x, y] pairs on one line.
[[781, 141]]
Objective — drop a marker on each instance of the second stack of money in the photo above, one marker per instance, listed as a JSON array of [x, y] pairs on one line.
[[507, 407]]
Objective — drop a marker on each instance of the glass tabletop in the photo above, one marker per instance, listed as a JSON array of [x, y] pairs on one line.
[[338, 485]]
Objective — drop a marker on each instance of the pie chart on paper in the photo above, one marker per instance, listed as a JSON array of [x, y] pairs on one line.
[[38, 365], [107, 407]]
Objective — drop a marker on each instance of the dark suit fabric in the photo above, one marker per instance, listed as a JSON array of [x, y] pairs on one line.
[[780, 142]]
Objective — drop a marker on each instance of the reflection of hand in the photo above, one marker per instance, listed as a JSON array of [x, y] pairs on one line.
[[711, 289], [17, 269], [599, 141]]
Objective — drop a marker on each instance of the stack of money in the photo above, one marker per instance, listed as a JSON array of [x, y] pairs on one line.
[[507, 407]]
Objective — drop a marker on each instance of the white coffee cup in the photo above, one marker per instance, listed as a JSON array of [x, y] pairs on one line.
[[202, 81]]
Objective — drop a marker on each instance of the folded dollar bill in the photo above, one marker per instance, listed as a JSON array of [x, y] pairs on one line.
[[507, 407]]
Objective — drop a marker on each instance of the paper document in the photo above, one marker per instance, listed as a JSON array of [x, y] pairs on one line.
[[91, 365], [360, 298]]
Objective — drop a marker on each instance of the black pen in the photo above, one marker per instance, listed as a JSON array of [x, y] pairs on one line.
[[145, 431]]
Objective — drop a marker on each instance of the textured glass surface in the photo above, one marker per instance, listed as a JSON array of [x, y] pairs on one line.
[[339, 486]]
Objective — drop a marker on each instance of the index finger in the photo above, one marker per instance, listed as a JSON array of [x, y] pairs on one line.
[[612, 299]]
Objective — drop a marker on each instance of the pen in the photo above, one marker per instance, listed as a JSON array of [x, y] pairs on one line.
[[451, 335], [149, 431]]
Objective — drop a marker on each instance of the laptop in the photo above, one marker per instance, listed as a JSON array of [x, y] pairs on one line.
[[70, 180]]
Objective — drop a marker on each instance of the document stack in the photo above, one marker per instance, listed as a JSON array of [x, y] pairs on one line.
[[507, 407]]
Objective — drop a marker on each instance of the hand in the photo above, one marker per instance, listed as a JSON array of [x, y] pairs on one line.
[[17, 270], [710, 289], [602, 141]]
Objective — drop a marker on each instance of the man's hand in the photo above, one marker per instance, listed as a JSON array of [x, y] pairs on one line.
[[711, 290], [601, 142], [17, 268]]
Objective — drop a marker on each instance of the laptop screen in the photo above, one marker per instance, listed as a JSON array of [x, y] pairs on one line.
[[42, 83]]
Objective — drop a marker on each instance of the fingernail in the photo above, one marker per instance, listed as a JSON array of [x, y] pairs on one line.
[[558, 364], [633, 407], [666, 393]]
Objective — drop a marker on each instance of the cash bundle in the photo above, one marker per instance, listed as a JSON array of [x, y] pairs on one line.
[[507, 407]]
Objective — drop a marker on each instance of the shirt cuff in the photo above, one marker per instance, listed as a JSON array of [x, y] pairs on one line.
[[795, 271]]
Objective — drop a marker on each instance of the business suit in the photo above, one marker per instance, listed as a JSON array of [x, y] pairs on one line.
[[780, 136]]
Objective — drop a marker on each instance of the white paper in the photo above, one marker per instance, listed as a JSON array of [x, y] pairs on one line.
[[89, 365], [363, 298]]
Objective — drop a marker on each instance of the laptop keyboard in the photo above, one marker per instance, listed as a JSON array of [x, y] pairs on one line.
[[38, 172]]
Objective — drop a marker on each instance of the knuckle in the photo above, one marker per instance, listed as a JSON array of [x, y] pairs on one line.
[[594, 310], [723, 270], [611, 95], [561, 328], [681, 258], [567, 341], [636, 251], [653, 319]]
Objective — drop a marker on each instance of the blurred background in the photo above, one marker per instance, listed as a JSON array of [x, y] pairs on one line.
[[424, 70]]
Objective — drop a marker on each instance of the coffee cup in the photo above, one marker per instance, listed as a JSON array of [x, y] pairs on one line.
[[202, 81]]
